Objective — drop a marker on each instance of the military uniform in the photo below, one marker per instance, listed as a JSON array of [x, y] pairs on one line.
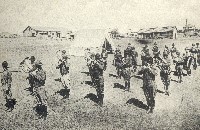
[[126, 71], [198, 55], [104, 55], [98, 77], [179, 66], [118, 64], [134, 58], [193, 52], [39, 88], [63, 65], [173, 52], [165, 74], [156, 53], [6, 80], [149, 85]]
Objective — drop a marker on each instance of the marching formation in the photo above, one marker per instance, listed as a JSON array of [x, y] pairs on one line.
[[127, 66]]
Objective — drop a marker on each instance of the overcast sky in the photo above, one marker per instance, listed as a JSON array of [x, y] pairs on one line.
[[16, 15]]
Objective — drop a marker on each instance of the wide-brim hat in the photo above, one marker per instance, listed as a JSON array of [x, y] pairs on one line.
[[5, 64], [32, 58]]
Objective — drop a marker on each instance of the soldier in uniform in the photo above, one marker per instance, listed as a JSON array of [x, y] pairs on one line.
[[126, 72], [166, 51], [39, 88], [128, 51], [6, 80], [63, 65], [165, 73], [104, 55], [134, 58], [156, 53], [98, 67], [193, 52], [179, 66], [149, 86], [173, 51], [144, 54], [118, 64], [117, 51], [32, 72], [198, 53]]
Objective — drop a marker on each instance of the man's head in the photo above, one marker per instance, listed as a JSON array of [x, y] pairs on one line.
[[165, 55], [5, 64], [193, 44], [173, 44], [155, 44], [178, 53], [38, 64], [63, 52], [197, 44], [97, 56], [32, 59]]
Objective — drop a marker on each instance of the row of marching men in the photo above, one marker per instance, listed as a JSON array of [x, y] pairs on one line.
[[36, 79], [150, 63]]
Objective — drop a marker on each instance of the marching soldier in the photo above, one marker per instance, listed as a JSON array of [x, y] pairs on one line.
[[134, 58], [6, 80], [98, 78], [39, 88], [144, 54], [128, 50], [179, 66], [32, 72], [104, 55], [118, 64], [165, 73], [63, 65], [126, 72], [117, 51], [198, 53], [166, 51], [149, 86], [173, 51], [193, 52], [156, 52], [90, 67]]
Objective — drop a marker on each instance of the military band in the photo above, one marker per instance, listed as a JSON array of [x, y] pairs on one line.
[[126, 67]]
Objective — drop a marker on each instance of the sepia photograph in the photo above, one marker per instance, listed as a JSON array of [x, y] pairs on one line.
[[100, 65]]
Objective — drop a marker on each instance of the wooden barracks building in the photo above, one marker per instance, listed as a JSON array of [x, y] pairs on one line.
[[47, 32]]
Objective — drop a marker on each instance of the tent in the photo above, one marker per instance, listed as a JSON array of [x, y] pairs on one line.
[[89, 38]]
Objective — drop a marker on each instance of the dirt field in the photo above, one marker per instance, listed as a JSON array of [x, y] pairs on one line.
[[121, 110]]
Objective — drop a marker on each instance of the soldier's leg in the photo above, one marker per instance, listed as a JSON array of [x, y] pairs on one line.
[[151, 99], [37, 95], [100, 93], [129, 84]]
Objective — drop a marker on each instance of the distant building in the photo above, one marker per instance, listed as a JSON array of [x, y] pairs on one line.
[[46, 32], [5, 35], [132, 34], [158, 33]]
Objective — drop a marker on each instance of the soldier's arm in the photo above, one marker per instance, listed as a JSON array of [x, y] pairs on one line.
[[100, 64]]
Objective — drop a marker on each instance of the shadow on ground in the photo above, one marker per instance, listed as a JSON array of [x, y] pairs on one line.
[[117, 85], [41, 111], [113, 75], [64, 92], [92, 97], [159, 91], [87, 73], [89, 83], [137, 103]]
